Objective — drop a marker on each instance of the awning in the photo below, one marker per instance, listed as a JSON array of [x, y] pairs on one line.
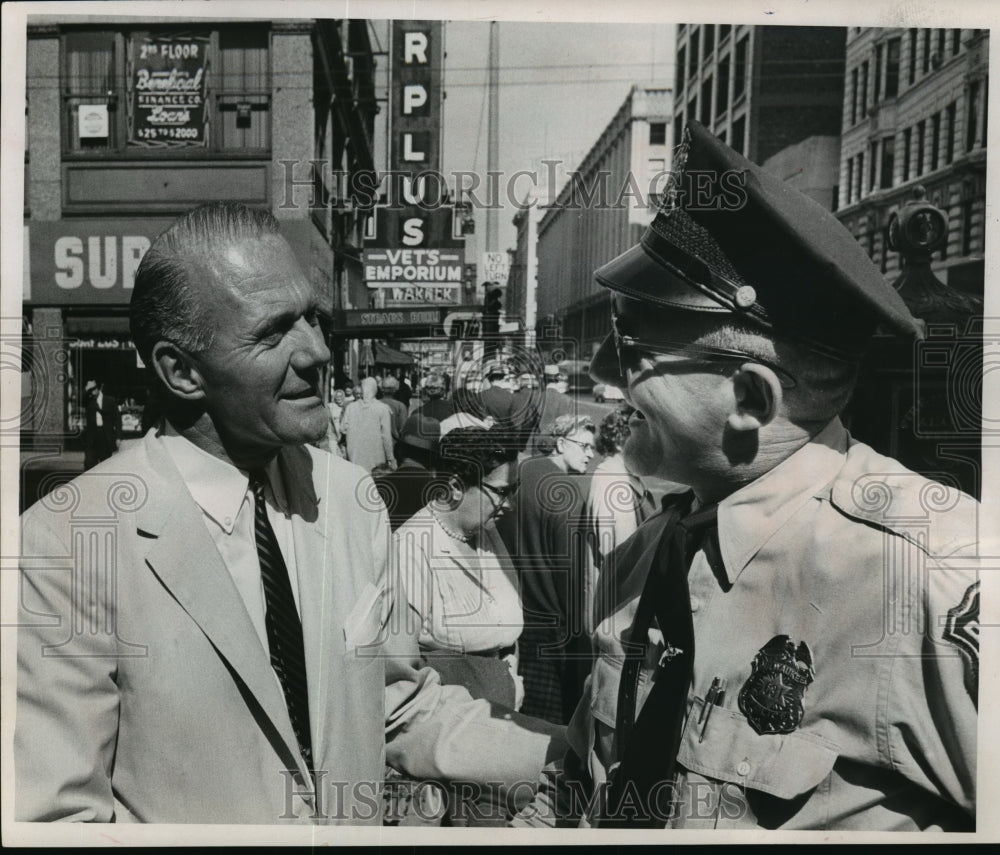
[[385, 355]]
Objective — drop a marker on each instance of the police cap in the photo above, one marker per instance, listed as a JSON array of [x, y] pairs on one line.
[[733, 238]]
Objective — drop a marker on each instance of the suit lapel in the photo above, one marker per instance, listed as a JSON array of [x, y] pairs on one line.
[[182, 555]]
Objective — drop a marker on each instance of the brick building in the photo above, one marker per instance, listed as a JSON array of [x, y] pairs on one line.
[[914, 113], [600, 213], [130, 123]]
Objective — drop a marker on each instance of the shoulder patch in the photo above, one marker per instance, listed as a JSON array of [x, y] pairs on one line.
[[962, 630]]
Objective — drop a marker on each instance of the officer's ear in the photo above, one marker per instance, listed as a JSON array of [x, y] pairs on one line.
[[757, 397], [177, 371]]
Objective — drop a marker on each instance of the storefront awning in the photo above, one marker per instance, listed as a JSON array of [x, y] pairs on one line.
[[385, 355]]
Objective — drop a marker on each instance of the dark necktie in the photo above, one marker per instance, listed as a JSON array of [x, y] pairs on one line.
[[284, 629], [640, 789]]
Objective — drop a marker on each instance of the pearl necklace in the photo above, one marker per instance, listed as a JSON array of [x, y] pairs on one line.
[[461, 538]]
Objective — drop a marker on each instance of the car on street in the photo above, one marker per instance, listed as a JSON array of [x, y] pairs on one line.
[[604, 392]]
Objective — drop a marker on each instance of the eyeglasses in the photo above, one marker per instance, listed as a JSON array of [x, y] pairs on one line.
[[666, 347], [504, 493], [586, 446]]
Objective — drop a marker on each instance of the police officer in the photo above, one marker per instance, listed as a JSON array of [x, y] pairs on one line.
[[799, 648]]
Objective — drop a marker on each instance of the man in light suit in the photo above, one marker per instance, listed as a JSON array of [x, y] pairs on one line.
[[152, 684]]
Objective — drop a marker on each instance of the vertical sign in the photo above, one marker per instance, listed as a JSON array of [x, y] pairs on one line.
[[417, 57], [167, 81]]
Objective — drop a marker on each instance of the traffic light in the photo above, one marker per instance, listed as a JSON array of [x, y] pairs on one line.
[[492, 306]]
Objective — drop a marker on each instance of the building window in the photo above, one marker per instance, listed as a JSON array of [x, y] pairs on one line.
[[926, 65], [907, 142], [956, 42], [949, 143], [861, 175], [972, 123], [681, 53], [678, 129], [739, 135], [657, 133], [692, 109], [709, 30], [912, 74], [106, 109], [854, 97], [921, 136], [864, 89], [873, 165], [878, 75], [888, 162], [935, 140], [892, 68], [850, 180], [722, 89], [740, 69], [706, 102], [724, 31], [941, 39], [693, 56]]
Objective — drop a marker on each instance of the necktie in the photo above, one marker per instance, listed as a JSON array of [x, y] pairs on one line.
[[284, 629], [639, 792]]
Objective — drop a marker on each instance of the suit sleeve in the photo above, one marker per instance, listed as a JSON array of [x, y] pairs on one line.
[[67, 699], [441, 732]]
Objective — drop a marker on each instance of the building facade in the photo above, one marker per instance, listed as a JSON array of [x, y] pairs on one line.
[[600, 213], [759, 89], [914, 115], [130, 124]]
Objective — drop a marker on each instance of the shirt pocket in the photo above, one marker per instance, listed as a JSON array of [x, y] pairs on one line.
[[774, 773]]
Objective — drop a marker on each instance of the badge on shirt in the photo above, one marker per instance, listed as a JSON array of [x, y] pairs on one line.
[[962, 630], [771, 698]]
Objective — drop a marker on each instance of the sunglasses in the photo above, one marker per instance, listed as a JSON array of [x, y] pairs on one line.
[[666, 347]]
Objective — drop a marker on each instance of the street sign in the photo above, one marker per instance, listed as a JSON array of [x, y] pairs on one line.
[[495, 268]]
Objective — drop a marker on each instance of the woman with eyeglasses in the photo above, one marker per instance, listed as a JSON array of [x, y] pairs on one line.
[[460, 582]]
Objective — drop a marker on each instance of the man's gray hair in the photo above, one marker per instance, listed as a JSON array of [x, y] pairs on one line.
[[164, 306]]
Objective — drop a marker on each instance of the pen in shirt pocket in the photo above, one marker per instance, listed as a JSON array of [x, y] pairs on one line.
[[714, 697]]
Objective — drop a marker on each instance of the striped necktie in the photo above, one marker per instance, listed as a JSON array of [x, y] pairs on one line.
[[284, 629]]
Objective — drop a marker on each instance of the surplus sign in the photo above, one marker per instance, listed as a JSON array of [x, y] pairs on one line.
[[167, 78]]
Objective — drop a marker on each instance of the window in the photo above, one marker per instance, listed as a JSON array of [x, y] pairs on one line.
[[706, 102], [850, 180], [967, 227], [972, 124], [709, 39], [864, 89], [679, 86], [861, 175], [740, 69], [949, 145], [873, 165], [892, 68], [657, 133], [942, 35], [739, 135], [693, 57], [956, 42], [722, 88], [888, 162], [907, 142], [878, 75], [678, 129], [921, 136], [724, 30], [912, 75], [935, 140], [854, 96], [692, 108], [231, 106], [925, 67]]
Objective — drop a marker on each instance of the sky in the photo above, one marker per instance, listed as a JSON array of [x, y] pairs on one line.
[[560, 85]]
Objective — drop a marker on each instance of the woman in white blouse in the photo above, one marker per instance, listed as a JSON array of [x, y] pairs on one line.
[[460, 581]]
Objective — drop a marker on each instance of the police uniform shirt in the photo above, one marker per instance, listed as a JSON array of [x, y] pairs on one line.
[[842, 604]]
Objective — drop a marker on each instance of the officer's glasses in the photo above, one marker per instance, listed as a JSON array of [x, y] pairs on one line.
[[625, 342]]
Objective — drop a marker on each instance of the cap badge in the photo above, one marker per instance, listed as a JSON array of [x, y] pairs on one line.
[[771, 698], [745, 297]]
